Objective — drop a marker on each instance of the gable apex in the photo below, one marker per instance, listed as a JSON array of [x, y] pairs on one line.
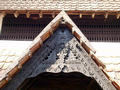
[[75, 30]]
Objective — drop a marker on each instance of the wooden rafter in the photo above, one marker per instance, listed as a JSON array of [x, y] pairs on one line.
[[53, 13]]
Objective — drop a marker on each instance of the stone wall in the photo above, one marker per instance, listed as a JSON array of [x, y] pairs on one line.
[[94, 5]]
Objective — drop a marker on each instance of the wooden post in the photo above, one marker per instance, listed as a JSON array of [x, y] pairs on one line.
[[1, 20]]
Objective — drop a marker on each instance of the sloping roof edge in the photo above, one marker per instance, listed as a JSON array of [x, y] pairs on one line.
[[46, 33]]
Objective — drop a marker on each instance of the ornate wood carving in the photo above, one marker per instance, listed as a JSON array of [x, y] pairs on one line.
[[62, 53]]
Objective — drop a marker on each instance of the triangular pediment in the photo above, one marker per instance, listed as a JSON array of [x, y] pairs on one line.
[[63, 49], [62, 52]]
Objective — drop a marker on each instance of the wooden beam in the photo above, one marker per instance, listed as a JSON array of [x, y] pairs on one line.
[[116, 85], [97, 61], [2, 15]]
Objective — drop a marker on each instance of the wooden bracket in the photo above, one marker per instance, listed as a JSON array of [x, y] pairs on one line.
[[28, 14], [93, 15], [40, 14], [80, 15], [16, 14], [118, 16], [53, 15], [106, 15], [41, 42], [30, 53]]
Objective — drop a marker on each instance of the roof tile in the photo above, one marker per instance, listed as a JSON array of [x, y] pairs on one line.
[[112, 67], [10, 59], [66, 4], [3, 58], [5, 66], [1, 65]]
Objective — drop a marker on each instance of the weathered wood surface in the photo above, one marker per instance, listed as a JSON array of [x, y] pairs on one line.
[[46, 33], [61, 53]]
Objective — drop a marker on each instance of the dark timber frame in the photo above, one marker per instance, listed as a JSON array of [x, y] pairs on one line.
[[55, 12]]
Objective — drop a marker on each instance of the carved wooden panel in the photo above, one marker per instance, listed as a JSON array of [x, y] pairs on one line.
[[61, 53]]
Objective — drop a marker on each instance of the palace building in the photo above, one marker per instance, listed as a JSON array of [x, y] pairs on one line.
[[59, 45]]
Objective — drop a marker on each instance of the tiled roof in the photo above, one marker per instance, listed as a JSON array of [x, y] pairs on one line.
[[60, 53], [38, 42], [94, 5], [10, 52], [108, 53]]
